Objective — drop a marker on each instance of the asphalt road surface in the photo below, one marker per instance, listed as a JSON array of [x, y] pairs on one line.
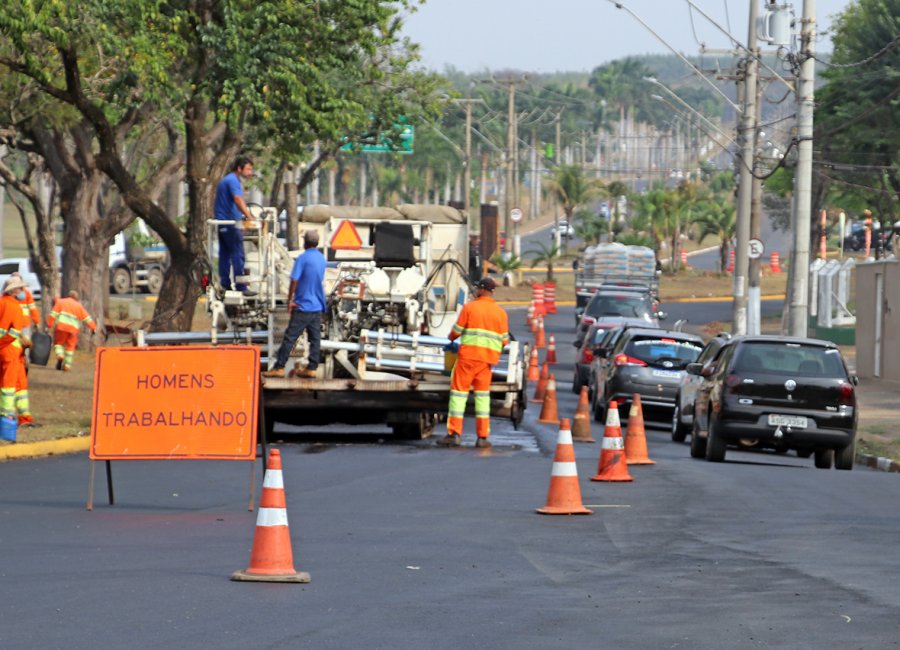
[[412, 546]]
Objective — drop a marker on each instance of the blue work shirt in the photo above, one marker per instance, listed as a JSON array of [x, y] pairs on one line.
[[309, 272], [225, 208]]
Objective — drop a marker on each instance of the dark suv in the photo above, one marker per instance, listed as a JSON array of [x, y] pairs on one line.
[[616, 304], [649, 362], [785, 393]]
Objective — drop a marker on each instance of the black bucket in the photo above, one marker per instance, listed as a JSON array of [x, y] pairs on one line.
[[40, 348]]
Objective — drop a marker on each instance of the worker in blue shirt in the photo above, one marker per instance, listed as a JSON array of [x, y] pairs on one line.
[[306, 303], [230, 206]]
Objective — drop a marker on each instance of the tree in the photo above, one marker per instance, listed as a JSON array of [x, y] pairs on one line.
[[546, 254], [331, 72], [571, 189], [717, 218]]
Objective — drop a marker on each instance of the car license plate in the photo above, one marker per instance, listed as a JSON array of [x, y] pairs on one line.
[[797, 421], [669, 374]]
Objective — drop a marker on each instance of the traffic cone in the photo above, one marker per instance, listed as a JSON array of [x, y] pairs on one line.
[[684, 261], [612, 466], [636, 437], [540, 339], [533, 325], [730, 268], [540, 390], [529, 315], [775, 262], [564, 495], [533, 372], [549, 412], [581, 427], [551, 351], [550, 297], [271, 559]]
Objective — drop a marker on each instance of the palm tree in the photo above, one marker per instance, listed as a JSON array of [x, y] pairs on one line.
[[547, 254], [717, 218], [571, 188], [507, 265]]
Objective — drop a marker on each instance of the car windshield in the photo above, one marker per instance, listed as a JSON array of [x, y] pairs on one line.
[[627, 306], [794, 359], [663, 352]]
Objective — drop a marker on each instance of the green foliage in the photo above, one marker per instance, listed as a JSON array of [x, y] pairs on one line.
[[571, 188], [636, 239], [547, 254], [507, 263]]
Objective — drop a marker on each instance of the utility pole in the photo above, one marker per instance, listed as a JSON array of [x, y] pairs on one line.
[[799, 270], [556, 153], [467, 171], [754, 308], [508, 154], [745, 189]]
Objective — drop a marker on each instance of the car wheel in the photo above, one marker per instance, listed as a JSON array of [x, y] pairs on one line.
[[576, 382], [698, 444], [715, 445], [824, 458], [679, 433], [844, 458], [599, 411]]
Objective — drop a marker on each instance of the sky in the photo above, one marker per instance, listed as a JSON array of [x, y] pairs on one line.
[[579, 35]]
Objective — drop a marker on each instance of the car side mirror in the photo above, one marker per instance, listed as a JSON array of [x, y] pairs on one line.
[[693, 368], [854, 379], [661, 315]]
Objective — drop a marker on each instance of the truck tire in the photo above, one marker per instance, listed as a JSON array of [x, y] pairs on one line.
[[154, 281], [415, 430], [121, 281]]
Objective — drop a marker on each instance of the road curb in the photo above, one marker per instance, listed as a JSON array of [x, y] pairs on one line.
[[44, 448], [880, 463]]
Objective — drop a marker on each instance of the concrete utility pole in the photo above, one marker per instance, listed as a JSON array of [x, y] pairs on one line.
[[745, 189], [799, 272], [467, 180], [509, 154], [754, 312]]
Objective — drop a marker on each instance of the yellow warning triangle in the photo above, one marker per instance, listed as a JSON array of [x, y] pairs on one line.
[[346, 238]]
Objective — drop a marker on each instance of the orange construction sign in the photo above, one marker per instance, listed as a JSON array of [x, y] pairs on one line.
[[346, 237], [175, 402]]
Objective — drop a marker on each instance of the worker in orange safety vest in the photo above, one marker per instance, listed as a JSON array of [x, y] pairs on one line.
[[32, 317], [68, 314], [12, 343], [482, 329]]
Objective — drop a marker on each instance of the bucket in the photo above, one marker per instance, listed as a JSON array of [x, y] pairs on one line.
[[40, 348], [449, 360], [8, 427]]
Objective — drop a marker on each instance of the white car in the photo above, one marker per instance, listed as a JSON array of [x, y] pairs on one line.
[[10, 265], [565, 230]]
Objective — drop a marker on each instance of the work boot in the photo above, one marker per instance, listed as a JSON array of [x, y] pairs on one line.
[[59, 363], [483, 443], [307, 373], [450, 440], [274, 372]]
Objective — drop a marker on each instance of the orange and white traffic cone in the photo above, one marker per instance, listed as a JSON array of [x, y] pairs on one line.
[[533, 323], [581, 423], [540, 339], [612, 466], [271, 559], [549, 412], [534, 372], [636, 437], [540, 391], [564, 495], [551, 351], [529, 315]]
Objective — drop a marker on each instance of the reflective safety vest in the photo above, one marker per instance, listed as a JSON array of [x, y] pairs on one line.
[[29, 309], [69, 314], [483, 330], [12, 322]]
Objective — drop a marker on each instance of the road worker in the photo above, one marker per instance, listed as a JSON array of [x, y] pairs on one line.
[[32, 318], [482, 329], [12, 343], [69, 315]]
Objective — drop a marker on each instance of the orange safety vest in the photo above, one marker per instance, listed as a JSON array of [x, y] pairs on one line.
[[29, 309], [483, 330], [12, 321], [71, 314]]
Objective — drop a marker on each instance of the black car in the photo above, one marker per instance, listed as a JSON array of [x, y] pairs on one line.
[[856, 240], [785, 393], [616, 304], [649, 362], [683, 415], [596, 336]]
